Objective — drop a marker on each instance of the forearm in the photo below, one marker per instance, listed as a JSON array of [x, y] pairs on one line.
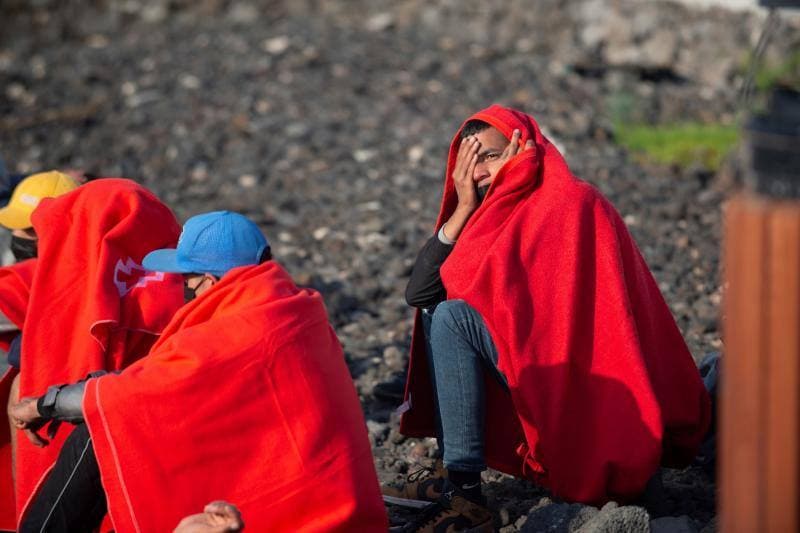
[[425, 288], [455, 224], [65, 402]]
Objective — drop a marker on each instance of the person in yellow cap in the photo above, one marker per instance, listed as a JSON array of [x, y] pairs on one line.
[[16, 216]]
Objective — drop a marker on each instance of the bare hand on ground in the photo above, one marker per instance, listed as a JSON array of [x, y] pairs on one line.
[[217, 517]]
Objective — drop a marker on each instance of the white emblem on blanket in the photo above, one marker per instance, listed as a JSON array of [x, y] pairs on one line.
[[129, 274]]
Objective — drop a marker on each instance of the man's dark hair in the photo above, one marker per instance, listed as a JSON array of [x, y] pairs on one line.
[[472, 127], [266, 255]]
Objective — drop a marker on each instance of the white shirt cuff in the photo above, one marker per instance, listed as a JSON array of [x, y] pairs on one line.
[[443, 238]]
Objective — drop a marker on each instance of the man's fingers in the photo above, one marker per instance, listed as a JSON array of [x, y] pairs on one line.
[[465, 146], [35, 438], [529, 144], [217, 506], [230, 514], [52, 429], [514, 144], [464, 164], [463, 150], [471, 167]]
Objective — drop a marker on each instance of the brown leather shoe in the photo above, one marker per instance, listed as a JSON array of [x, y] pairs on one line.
[[420, 489]]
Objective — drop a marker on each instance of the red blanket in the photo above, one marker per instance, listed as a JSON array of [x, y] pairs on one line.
[[602, 386], [91, 305], [15, 291], [15, 288], [246, 398]]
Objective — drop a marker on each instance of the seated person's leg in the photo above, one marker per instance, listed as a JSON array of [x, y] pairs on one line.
[[461, 348], [426, 318], [72, 497]]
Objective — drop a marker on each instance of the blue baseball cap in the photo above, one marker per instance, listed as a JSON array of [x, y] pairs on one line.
[[211, 243]]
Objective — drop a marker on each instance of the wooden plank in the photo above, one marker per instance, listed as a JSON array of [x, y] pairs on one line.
[[741, 424], [783, 366]]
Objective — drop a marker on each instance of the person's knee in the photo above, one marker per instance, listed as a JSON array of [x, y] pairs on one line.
[[449, 314], [450, 317]]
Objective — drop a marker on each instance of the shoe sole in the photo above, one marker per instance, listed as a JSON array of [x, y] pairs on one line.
[[406, 502], [485, 528]]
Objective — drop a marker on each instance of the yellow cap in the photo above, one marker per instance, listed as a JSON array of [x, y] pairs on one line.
[[28, 194]]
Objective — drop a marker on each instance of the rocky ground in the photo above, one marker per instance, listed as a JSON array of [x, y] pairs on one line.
[[328, 123]]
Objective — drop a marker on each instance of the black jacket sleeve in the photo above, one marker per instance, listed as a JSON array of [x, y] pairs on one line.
[[425, 288]]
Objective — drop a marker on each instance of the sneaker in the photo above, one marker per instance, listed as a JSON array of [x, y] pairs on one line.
[[420, 489], [452, 512], [392, 390]]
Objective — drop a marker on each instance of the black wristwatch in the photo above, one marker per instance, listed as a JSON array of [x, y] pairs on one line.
[[46, 405]]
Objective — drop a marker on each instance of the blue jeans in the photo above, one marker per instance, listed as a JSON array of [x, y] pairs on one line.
[[460, 349]]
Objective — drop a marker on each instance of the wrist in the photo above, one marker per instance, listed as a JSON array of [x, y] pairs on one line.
[[464, 210], [46, 405], [452, 228]]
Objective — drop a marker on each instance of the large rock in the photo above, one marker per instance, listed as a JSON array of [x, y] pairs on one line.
[[615, 519]]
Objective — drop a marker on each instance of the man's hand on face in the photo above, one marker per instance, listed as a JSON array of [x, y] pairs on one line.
[[217, 517], [466, 160], [25, 415], [514, 147], [468, 201]]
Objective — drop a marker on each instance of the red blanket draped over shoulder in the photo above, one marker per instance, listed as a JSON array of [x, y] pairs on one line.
[[246, 397], [602, 386], [91, 306], [15, 289]]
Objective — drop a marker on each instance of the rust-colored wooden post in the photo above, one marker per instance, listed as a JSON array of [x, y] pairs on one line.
[[760, 388]]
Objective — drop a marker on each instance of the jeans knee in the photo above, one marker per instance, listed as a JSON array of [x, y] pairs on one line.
[[449, 314]]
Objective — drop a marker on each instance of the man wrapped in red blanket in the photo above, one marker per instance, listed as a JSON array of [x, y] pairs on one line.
[[15, 283], [246, 397], [551, 353], [91, 305]]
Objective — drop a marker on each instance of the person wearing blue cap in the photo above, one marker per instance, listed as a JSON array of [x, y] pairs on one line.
[[250, 373], [210, 245]]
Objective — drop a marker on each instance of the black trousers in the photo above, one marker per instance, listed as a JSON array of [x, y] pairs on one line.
[[71, 499]]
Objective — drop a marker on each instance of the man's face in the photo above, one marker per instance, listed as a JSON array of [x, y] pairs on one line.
[[196, 284], [26, 233], [24, 244], [492, 144]]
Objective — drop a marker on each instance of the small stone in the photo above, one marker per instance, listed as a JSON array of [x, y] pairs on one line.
[[97, 41], [189, 81], [199, 173], [379, 22], [154, 13], [276, 45], [320, 233], [243, 13], [247, 181], [364, 155], [415, 154], [128, 88]]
